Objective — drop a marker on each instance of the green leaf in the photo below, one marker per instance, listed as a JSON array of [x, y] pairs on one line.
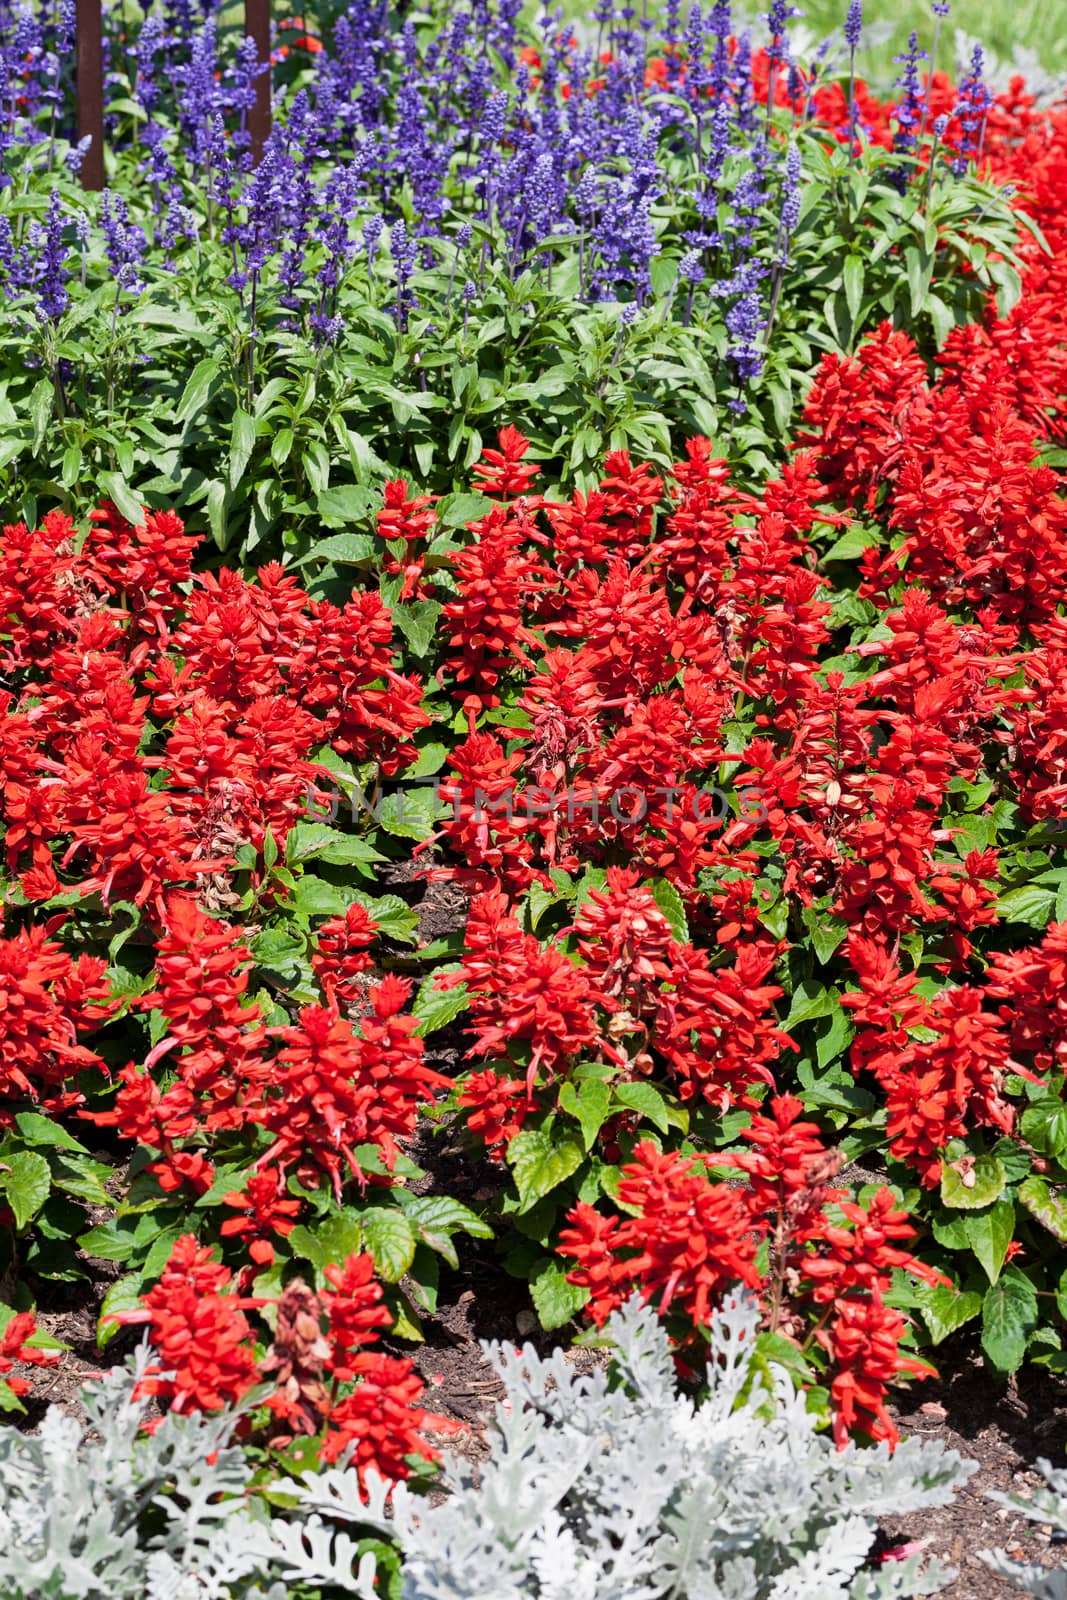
[[810, 999], [391, 1240], [39, 410], [201, 381], [218, 502], [672, 905], [944, 1310], [989, 1234], [555, 1300], [160, 1249], [80, 1176], [343, 505], [1031, 903], [436, 1007], [646, 1100], [123, 1295], [1048, 1205], [540, 1165], [978, 1185], [1009, 1317], [343, 549], [281, 447], [304, 1242], [410, 813], [242, 443], [589, 1103], [314, 897], [853, 279], [435, 1217], [117, 489], [460, 509], [1044, 1126], [827, 933], [109, 1241], [418, 623], [309, 841], [339, 1236], [39, 1130], [25, 1181]]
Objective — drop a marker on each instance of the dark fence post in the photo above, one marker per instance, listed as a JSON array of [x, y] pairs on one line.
[[89, 76], [257, 27]]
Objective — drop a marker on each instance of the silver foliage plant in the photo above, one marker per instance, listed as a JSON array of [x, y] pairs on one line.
[[610, 1486], [1048, 1505], [604, 1485]]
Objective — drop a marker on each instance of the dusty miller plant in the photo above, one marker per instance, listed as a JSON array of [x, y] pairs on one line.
[[1047, 1505], [96, 1509], [604, 1485], [608, 1485]]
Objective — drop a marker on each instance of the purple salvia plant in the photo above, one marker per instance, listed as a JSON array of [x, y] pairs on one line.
[[910, 107], [972, 109]]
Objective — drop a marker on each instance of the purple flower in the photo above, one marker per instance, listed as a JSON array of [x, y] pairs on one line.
[[854, 25], [124, 241], [404, 253], [44, 267], [745, 324], [791, 191], [972, 108], [909, 108]]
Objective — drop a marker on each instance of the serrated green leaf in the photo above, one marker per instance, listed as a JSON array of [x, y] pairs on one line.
[[25, 1182], [410, 813], [109, 1241], [989, 1233], [587, 1101], [646, 1100], [1048, 1205], [341, 506], [458, 510], [42, 1131], [540, 1164], [1044, 1126], [978, 1184], [944, 1309], [1009, 1317], [555, 1300], [391, 1240], [1031, 904], [316, 841], [810, 1000], [436, 1217], [672, 905], [435, 1007], [304, 1242], [339, 1236]]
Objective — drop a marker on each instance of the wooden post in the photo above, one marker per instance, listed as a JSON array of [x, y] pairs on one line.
[[257, 27], [89, 77]]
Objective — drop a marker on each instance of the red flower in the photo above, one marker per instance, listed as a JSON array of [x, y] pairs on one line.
[[341, 953], [503, 473], [685, 1239], [202, 1336], [15, 1347], [863, 1341]]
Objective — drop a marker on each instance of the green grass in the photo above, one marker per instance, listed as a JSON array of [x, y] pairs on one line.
[[1037, 25]]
